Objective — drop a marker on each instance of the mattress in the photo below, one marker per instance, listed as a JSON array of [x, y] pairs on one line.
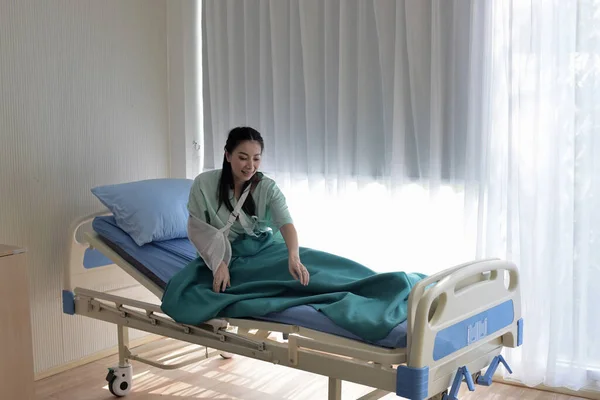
[[159, 261]]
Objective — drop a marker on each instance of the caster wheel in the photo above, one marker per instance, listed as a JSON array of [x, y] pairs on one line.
[[119, 380], [226, 356], [476, 376], [439, 396]]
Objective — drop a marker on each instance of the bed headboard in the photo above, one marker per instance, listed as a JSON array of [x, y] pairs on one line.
[[88, 268]]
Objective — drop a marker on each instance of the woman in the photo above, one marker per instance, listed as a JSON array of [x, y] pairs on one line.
[[214, 195], [249, 259]]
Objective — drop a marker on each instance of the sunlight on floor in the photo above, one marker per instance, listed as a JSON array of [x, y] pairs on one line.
[[268, 382]]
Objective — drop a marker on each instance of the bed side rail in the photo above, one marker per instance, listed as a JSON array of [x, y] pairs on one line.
[[321, 356]]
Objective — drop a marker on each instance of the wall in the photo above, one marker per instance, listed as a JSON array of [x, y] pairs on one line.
[[83, 102]]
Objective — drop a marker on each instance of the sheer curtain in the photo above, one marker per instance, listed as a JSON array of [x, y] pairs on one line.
[[543, 180], [415, 135], [367, 110]]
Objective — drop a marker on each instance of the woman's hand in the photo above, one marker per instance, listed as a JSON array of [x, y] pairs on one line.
[[221, 279], [298, 271]]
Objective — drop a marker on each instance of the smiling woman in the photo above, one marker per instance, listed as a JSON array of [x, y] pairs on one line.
[[238, 200], [235, 213]]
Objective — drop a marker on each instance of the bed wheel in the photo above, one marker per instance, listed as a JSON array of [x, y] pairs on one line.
[[119, 380], [440, 396], [226, 356]]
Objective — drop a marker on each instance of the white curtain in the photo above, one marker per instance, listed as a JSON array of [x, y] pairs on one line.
[[543, 180], [365, 110], [414, 135]]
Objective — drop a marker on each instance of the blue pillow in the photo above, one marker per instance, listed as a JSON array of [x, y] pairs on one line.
[[149, 210]]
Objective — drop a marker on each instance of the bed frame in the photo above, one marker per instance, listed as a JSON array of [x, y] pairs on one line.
[[476, 304]]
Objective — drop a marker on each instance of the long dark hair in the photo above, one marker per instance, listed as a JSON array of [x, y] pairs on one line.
[[236, 136]]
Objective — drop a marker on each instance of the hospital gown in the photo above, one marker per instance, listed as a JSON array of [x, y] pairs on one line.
[[271, 208], [208, 226]]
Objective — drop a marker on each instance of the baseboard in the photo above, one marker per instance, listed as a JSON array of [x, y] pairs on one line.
[[588, 394], [95, 357]]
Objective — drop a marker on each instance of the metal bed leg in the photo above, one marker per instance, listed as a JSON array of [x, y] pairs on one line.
[[335, 389], [120, 378], [123, 340]]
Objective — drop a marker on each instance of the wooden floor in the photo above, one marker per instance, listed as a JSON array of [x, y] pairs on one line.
[[236, 378]]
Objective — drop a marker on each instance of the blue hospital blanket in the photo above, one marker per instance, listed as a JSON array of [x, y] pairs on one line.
[[365, 303]]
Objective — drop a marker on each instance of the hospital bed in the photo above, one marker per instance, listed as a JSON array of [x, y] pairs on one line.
[[459, 320]]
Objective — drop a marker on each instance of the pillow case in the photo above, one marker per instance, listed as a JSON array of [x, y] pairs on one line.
[[148, 210]]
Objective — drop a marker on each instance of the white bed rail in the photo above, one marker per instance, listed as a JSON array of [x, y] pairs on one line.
[[335, 358]]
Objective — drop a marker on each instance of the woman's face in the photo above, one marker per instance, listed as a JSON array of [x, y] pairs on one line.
[[245, 160]]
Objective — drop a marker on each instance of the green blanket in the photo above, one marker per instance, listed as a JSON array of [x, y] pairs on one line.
[[354, 297]]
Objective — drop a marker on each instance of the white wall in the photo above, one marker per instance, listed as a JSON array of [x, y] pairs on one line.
[[83, 102]]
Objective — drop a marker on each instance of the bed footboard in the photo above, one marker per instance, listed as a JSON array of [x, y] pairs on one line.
[[459, 321]]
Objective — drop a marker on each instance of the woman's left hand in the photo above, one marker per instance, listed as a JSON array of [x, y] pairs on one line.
[[298, 271]]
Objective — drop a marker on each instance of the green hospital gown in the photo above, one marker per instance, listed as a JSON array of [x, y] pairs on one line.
[[271, 207]]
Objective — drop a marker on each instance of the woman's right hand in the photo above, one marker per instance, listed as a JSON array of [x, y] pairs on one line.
[[221, 279]]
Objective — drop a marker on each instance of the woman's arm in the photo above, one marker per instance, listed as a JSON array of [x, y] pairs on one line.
[[283, 220], [298, 271], [290, 235], [201, 234]]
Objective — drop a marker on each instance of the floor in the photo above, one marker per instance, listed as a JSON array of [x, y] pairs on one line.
[[236, 378]]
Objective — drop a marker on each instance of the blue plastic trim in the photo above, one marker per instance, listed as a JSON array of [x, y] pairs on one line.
[[462, 372], [520, 332], [486, 380], [471, 330], [68, 300], [92, 258], [412, 383]]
